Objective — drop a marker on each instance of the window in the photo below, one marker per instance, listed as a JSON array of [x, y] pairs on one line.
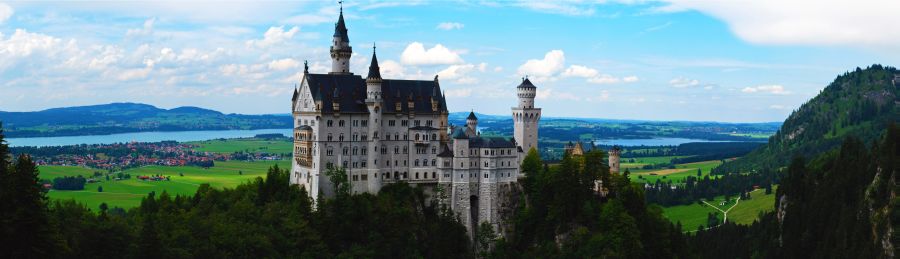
[[383, 150], [433, 136], [417, 164], [433, 174], [428, 123], [341, 137], [355, 123], [329, 123], [433, 162], [405, 150], [434, 150], [417, 122], [364, 123], [341, 123], [329, 151], [485, 176], [417, 176], [396, 149], [355, 153], [405, 137], [345, 164], [387, 137], [392, 123], [346, 151], [329, 137], [404, 123]]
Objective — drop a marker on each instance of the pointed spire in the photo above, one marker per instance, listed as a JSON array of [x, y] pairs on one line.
[[374, 70], [340, 29]]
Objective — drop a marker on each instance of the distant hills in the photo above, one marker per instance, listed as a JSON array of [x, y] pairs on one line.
[[861, 103], [129, 117]]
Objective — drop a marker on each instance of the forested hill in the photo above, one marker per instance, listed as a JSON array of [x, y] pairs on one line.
[[129, 117], [860, 103]]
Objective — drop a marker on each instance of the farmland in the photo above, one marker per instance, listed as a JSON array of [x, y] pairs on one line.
[[676, 174], [127, 193]]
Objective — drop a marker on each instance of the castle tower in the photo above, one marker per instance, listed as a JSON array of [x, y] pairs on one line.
[[472, 125], [340, 48], [614, 160], [526, 117], [374, 103]]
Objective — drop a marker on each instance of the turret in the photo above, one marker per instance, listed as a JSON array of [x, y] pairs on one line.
[[340, 48], [472, 124], [373, 80], [526, 116]]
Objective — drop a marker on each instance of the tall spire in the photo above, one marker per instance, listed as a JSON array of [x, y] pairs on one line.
[[340, 29], [374, 71]]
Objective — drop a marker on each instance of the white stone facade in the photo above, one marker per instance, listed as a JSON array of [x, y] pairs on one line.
[[384, 131]]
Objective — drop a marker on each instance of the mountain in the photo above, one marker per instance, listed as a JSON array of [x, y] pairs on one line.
[[129, 117], [861, 103]]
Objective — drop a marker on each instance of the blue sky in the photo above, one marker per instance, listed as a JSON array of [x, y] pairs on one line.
[[735, 61]]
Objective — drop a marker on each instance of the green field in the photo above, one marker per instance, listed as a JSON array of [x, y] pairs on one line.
[[693, 215], [250, 145], [128, 193], [678, 174]]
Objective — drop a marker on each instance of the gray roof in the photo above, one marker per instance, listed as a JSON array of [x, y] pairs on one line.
[[472, 116], [340, 29], [445, 151], [526, 84], [374, 70], [490, 142], [303, 127], [423, 128], [350, 92], [459, 134]]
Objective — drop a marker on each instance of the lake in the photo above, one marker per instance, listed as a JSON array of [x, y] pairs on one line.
[[651, 141], [180, 136]]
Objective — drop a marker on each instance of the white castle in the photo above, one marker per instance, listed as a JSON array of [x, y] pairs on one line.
[[384, 131]]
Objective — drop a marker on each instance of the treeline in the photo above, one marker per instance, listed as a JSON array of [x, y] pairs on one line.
[[840, 204], [69, 183], [692, 189], [561, 216], [706, 151]]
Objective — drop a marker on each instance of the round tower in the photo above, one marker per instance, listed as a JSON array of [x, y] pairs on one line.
[[526, 117], [340, 47], [614, 160]]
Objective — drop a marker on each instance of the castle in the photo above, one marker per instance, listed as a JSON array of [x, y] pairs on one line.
[[384, 131]]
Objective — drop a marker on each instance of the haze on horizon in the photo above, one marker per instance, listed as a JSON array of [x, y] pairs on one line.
[[745, 61]]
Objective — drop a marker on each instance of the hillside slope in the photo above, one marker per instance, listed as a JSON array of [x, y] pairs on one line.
[[861, 103], [129, 117]]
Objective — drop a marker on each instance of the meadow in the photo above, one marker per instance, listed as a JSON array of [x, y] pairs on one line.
[[184, 180], [248, 145], [677, 174], [694, 215]]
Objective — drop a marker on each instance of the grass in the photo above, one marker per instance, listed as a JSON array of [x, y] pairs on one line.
[[693, 215], [675, 175], [128, 193], [250, 145]]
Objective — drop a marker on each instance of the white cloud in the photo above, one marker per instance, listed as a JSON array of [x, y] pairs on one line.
[[777, 107], [284, 64], [771, 89], [853, 23], [681, 82], [416, 54], [464, 92], [594, 76], [557, 8], [391, 69], [273, 36], [552, 63], [137, 73], [580, 71], [482, 67], [630, 79], [450, 26], [144, 31], [6, 11], [459, 74], [498, 69]]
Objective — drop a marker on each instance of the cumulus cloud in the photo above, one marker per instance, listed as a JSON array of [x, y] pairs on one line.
[[284, 64], [6, 11], [459, 74], [630, 79], [273, 36], [416, 54], [580, 71], [681, 82], [770, 89], [551, 64], [450, 26], [854, 23]]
